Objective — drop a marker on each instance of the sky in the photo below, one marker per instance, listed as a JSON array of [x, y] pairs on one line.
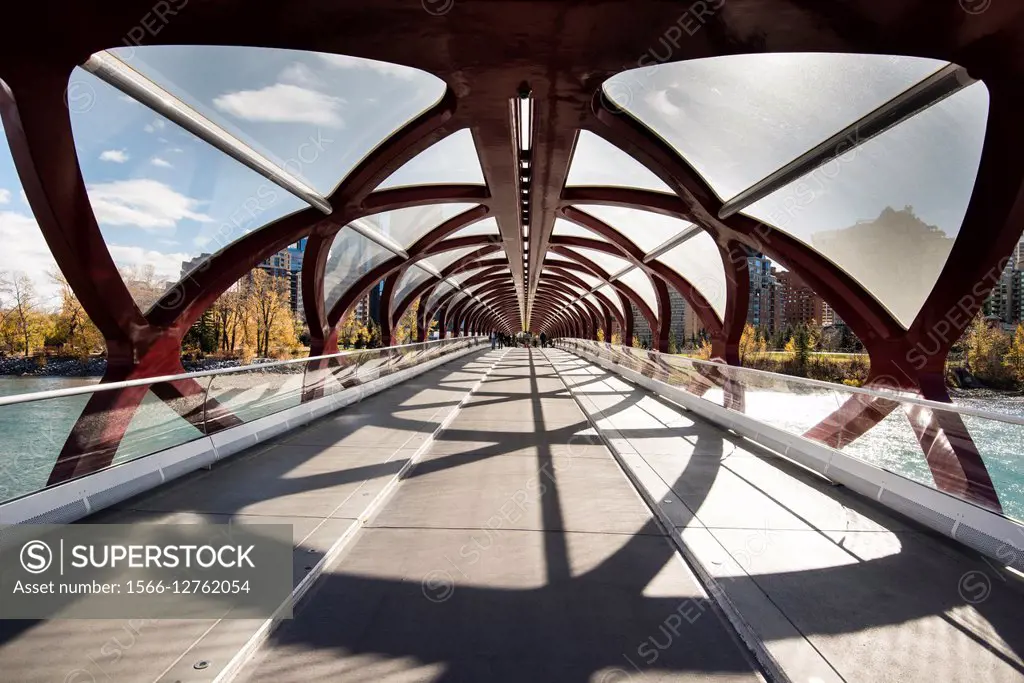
[[162, 196]]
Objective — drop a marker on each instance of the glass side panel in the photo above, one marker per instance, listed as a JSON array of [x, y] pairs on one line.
[[611, 264], [452, 160], [351, 256], [612, 295], [565, 228], [445, 259], [408, 225], [595, 161], [441, 289], [259, 392], [487, 226], [412, 278], [317, 115], [738, 118], [164, 199], [639, 282], [157, 426], [889, 211], [646, 229], [699, 261], [27, 456]]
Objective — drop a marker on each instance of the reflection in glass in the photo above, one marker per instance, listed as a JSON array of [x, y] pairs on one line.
[[737, 119], [889, 211]]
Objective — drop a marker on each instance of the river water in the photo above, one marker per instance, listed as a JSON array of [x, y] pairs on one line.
[[32, 434]]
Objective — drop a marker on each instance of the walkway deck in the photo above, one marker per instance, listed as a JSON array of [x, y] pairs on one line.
[[517, 549]]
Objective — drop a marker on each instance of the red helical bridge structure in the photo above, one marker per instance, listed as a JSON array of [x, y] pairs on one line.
[[555, 58]]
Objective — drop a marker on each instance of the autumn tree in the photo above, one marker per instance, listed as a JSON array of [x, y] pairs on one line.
[[1015, 356], [405, 330], [752, 345], [73, 331], [268, 304]]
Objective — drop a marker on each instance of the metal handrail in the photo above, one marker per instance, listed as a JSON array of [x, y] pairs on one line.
[[888, 395], [110, 386]]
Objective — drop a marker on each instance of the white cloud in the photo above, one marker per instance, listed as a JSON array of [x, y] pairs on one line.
[[24, 197], [283, 103], [165, 266], [298, 73], [5, 196], [201, 240], [118, 156], [177, 150], [25, 251], [162, 163], [384, 68], [158, 124], [144, 203]]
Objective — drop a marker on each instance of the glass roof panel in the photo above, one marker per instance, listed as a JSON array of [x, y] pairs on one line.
[[25, 252], [612, 296], [595, 161], [487, 226], [700, 262], [351, 256], [412, 278], [446, 258], [738, 118], [591, 280], [315, 114], [646, 229], [889, 211], [164, 200], [452, 160], [565, 228], [611, 264], [640, 282], [408, 225]]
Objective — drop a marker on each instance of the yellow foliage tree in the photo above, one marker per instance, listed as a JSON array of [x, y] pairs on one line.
[[752, 346], [1015, 356]]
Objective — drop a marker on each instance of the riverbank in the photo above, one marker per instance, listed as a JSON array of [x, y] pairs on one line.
[[93, 367]]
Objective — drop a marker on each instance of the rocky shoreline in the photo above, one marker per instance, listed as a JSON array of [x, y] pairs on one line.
[[93, 367]]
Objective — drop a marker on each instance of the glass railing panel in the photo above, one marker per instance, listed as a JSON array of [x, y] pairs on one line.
[[158, 424], [162, 415], [875, 427], [256, 392], [27, 455]]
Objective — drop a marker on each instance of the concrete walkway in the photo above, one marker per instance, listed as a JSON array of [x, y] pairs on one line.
[[516, 550], [836, 587]]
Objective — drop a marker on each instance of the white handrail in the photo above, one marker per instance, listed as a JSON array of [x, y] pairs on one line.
[[888, 395], [109, 386]]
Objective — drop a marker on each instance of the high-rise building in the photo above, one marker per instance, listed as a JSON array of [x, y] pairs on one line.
[[761, 304], [800, 304]]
